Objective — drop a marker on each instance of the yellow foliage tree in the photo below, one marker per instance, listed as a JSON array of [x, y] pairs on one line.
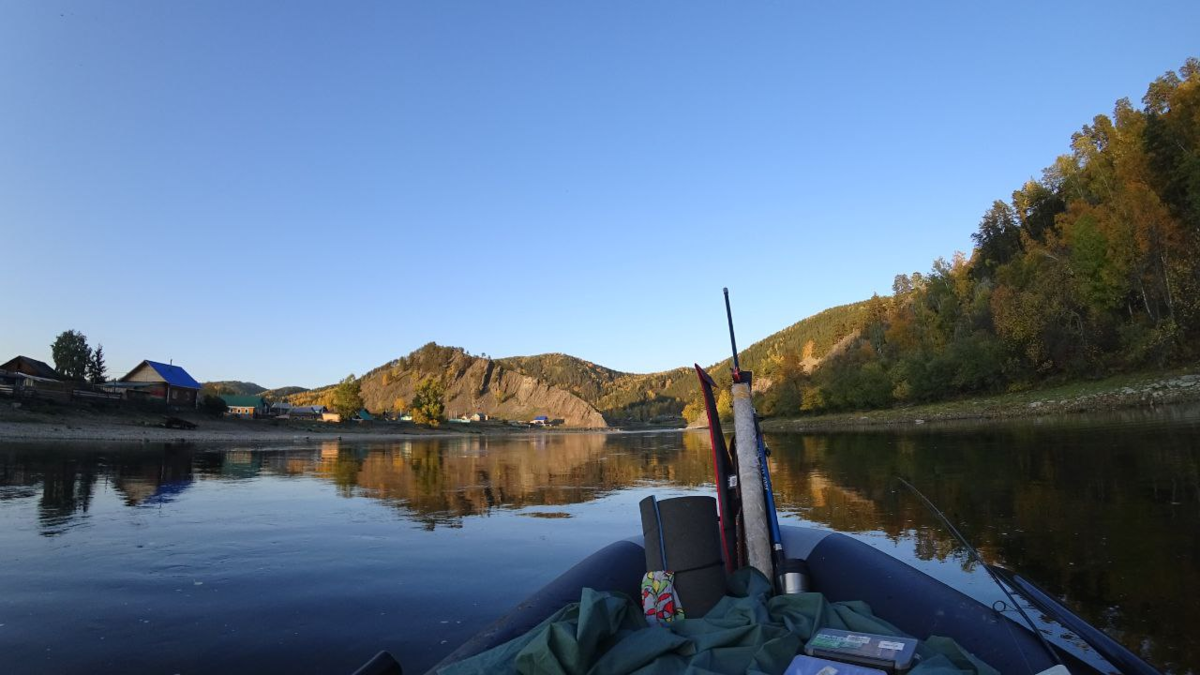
[[725, 405]]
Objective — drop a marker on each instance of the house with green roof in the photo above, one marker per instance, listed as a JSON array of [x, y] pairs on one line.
[[246, 406]]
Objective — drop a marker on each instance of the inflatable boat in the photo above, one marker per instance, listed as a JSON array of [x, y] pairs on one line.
[[842, 568]]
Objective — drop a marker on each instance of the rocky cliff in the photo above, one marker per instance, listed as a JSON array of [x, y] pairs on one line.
[[472, 384]]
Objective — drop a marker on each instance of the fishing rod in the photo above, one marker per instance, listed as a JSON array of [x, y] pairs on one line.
[[979, 559], [778, 557], [737, 369]]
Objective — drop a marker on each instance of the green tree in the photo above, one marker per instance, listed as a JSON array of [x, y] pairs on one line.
[[427, 404], [97, 371], [998, 238], [71, 354], [347, 397], [213, 405]]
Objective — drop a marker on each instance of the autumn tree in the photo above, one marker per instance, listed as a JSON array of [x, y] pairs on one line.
[[427, 405], [725, 405], [347, 397]]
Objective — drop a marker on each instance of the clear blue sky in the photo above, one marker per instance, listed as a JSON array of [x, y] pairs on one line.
[[288, 192]]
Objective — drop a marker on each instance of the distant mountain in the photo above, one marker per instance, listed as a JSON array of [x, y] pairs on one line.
[[239, 388], [232, 388], [579, 392], [282, 392]]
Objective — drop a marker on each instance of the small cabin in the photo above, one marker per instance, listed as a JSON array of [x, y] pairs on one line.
[[540, 420], [246, 406]]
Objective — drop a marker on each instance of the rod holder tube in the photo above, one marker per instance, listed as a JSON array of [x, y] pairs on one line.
[[750, 479]]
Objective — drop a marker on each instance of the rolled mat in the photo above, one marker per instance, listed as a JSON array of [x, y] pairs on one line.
[[688, 529]]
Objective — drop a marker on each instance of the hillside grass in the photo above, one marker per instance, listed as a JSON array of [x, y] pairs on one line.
[[1117, 391]]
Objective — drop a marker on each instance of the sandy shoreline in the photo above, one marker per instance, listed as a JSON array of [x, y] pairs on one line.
[[48, 422]]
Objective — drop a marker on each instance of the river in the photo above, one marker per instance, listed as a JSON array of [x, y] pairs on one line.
[[309, 558]]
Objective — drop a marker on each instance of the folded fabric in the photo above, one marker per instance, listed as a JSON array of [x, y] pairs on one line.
[[748, 631]]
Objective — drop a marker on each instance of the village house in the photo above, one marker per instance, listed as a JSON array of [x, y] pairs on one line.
[[245, 406], [33, 367], [478, 417], [306, 412], [161, 381], [23, 376], [280, 409]]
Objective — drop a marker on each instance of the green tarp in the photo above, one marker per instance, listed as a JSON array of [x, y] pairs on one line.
[[748, 631]]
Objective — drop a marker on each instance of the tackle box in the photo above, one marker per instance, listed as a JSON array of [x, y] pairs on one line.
[[884, 652]]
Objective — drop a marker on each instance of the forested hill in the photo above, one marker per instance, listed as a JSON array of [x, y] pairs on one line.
[[1092, 268], [578, 391]]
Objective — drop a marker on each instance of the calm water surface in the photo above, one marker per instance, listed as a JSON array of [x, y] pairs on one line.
[[310, 558]]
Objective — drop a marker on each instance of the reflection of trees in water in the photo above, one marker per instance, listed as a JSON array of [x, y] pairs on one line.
[[67, 487], [68, 479], [1109, 519]]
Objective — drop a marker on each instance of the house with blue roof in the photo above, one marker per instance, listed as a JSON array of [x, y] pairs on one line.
[[165, 382]]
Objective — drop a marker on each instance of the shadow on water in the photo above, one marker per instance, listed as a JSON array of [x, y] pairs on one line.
[[1104, 513]]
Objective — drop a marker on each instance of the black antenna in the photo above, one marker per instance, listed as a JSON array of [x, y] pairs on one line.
[[979, 559], [737, 369]]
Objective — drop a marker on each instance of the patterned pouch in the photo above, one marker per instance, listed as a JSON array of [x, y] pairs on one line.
[[660, 602]]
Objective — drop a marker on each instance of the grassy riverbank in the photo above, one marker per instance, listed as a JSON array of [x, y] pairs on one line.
[[1121, 391]]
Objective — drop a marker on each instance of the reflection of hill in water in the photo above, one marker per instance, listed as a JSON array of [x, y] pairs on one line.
[[442, 482]]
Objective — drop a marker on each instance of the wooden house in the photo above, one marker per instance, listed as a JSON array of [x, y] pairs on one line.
[[33, 367], [165, 382]]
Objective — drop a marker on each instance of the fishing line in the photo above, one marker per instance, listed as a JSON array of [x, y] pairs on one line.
[[979, 559]]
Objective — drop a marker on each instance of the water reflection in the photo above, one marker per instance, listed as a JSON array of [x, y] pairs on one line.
[[1108, 519], [1107, 516]]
